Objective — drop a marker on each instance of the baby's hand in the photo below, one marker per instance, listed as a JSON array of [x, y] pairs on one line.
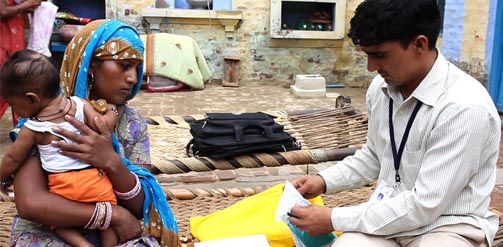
[[99, 105], [113, 108]]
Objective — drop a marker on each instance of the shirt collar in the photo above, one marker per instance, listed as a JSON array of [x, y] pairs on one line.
[[431, 87]]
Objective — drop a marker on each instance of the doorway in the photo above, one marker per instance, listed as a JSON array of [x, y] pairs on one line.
[[496, 76]]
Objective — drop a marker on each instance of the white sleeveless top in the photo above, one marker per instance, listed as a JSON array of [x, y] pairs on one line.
[[52, 160]]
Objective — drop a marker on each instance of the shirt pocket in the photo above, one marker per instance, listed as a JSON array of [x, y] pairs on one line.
[[410, 166]]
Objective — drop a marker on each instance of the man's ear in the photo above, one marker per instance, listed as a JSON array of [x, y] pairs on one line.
[[421, 43], [32, 98]]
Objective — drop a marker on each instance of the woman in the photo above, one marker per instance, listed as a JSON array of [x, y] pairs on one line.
[[103, 61]]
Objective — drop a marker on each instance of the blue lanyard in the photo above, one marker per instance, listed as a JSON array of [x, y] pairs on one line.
[[397, 156]]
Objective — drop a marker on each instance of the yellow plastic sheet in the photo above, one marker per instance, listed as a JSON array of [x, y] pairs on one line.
[[252, 215]]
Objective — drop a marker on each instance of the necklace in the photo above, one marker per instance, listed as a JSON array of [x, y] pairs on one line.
[[60, 110]]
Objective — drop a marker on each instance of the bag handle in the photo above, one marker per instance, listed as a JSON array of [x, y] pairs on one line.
[[188, 146], [239, 129]]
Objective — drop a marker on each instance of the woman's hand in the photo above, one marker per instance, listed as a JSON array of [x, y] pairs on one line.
[[310, 186], [90, 147], [95, 148], [29, 6], [125, 225]]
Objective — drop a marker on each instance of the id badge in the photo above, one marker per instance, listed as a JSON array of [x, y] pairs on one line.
[[382, 192]]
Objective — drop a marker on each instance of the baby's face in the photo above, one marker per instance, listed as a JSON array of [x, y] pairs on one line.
[[22, 106]]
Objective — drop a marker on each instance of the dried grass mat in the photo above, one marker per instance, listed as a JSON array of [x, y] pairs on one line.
[[203, 205], [200, 205], [319, 132], [334, 128], [7, 210]]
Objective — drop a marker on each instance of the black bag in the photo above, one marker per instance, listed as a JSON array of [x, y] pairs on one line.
[[221, 135]]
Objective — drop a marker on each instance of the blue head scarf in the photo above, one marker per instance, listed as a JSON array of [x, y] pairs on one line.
[[103, 40]]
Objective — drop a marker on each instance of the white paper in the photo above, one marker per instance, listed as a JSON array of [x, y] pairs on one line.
[[288, 200], [258, 240], [41, 26]]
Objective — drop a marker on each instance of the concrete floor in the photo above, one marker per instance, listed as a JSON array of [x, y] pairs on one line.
[[248, 97]]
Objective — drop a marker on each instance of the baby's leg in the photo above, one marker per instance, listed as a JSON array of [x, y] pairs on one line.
[[108, 238], [72, 237]]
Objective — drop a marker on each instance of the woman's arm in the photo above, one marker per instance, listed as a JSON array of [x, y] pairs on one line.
[[34, 202], [96, 149], [27, 6]]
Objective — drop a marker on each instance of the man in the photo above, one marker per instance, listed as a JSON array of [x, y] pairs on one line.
[[432, 143]]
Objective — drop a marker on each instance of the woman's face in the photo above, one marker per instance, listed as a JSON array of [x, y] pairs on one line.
[[114, 79]]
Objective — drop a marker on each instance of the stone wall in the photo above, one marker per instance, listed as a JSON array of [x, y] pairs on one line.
[[278, 61]]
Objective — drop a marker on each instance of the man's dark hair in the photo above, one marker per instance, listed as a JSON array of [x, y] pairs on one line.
[[377, 21], [29, 71]]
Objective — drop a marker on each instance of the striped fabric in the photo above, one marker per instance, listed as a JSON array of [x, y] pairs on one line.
[[448, 167]]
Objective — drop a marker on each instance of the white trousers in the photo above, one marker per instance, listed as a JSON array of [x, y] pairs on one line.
[[459, 235]]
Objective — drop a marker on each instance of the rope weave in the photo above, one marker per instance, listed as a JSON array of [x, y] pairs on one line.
[[317, 131], [296, 157]]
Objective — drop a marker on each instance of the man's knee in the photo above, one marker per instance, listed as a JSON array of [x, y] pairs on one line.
[[462, 235], [356, 239]]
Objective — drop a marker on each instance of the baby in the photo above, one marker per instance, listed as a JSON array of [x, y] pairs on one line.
[[29, 82]]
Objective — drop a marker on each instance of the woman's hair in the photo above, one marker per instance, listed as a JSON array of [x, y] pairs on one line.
[[29, 71], [378, 21]]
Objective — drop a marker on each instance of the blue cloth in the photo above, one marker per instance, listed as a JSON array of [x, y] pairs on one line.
[[308, 240], [153, 193]]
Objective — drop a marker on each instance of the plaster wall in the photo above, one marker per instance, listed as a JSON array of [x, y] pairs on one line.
[[473, 45], [278, 61]]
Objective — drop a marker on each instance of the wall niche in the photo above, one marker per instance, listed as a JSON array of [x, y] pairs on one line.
[[307, 19]]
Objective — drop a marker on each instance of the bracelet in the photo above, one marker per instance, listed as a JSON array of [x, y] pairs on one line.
[[93, 221], [132, 193], [7, 181], [114, 109], [101, 217], [108, 219], [90, 222]]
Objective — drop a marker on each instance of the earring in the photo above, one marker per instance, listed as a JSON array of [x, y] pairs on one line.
[[91, 82]]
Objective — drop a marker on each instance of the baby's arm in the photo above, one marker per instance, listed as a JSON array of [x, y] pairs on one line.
[[17, 153], [108, 111]]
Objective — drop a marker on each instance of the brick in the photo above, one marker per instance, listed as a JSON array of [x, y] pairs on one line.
[[198, 178], [225, 175]]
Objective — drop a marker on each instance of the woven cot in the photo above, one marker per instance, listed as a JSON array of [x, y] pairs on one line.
[[336, 129], [203, 205]]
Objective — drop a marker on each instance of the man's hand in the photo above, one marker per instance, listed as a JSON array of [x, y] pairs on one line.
[[310, 186], [313, 219]]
